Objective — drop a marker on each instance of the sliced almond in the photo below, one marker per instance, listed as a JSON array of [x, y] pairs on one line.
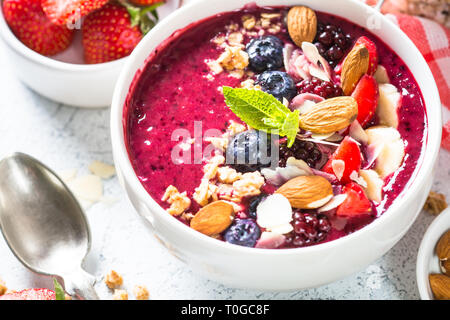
[[443, 247], [354, 67], [440, 285], [213, 218], [302, 24], [307, 192], [374, 188], [330, 115]]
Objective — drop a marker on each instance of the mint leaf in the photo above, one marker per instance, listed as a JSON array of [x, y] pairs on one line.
[[59, 291], [262, 111]]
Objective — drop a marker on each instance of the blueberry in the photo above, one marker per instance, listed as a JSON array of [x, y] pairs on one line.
[[249, 151], [253, 204], [243, 232], [265, 53], [277, 83]]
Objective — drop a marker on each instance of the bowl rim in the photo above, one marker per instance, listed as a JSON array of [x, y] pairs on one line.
[[425, 164], [426, 252], [15, 44]]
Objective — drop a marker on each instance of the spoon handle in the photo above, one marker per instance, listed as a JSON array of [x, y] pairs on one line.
[[80, 285]]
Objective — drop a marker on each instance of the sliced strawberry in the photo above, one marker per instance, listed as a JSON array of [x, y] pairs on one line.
[[366, 95], [62, 12], [348, 151], [30, 294], [32, 27], [356, 202], [373, 55], [445, 143]]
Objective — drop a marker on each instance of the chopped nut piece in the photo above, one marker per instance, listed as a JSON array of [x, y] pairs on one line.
[[232, 27], [215, 66], [219, 40], [228, 175], [250, 84], [210, 169], [435, 203], [219, 143], [248, 185], [234, 128], [238, 74], [187, 216], [120, 295], [235, 38], [141, 293], [270, 16], [3, 287], [233, 58], [113, 279], [204, 192], [179, 202], [249, 22]]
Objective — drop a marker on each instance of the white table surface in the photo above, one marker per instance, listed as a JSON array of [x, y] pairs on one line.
[[65, 137]]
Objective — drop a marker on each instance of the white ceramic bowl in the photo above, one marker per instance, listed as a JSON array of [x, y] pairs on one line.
[[81, 85], [281, 269], [427, 260]]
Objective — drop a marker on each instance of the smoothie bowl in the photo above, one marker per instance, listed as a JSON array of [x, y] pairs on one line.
[[283, 143]]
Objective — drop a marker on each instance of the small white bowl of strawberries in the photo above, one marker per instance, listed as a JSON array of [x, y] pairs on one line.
[[72, 51]]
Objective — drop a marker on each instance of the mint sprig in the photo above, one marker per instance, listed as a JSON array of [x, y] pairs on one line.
[[59, 291], [262, 111]]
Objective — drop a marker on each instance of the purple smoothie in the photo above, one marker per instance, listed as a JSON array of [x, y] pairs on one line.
[[172, 92]]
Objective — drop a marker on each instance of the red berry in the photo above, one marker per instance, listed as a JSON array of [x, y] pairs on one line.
[[445, 143], [366, 95], [356, 202], [30, 294], [69, 11], [348, 151], [145, 2], [373, 55], [108, 34], [32, 27]]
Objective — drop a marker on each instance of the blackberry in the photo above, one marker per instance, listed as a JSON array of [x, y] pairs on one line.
[[309, 228], [332, 43], [304, 150], [325, 89]]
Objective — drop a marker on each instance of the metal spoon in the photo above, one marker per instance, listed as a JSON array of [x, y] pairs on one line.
[[43, 223]]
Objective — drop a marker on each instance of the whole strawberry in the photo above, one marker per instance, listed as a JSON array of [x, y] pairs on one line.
[[108, 34], [31, 26], [69, 11]]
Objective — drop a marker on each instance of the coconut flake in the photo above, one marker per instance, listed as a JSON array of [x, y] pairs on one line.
[[336, 137], [338, 167], [287, 54], [354, 176], [88, 187], [335, 202], [331, 178], [270, 240], [294, 168], [323, 136], [103, 170], [274, 211], [322, 70], [358, 133], [372, 153], [319, 203], [304, 101], [381, 75], [283, 229]]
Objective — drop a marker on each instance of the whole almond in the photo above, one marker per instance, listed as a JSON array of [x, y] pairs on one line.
[[440, 285], [355, 65], [213, 218], [330, 115], [302, 24], [307, 192], [443, 247]]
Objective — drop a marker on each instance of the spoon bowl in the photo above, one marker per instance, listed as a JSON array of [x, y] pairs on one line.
[[43, 223]]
